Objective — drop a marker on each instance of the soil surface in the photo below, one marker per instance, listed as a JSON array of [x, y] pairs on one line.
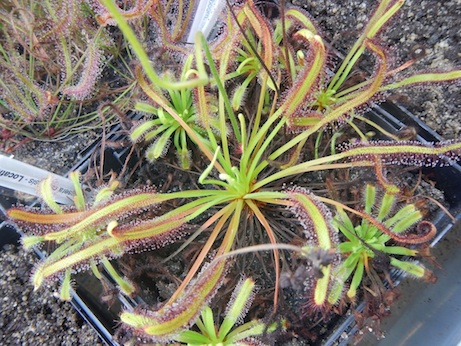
[[39, 318], [35, 318]]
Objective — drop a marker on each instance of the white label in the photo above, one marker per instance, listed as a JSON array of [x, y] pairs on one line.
[[20, 176]]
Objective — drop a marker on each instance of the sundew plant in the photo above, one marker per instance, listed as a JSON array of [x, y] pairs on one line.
[[52, 54], [261, 94]]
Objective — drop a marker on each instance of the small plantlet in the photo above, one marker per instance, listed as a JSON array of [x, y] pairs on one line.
[[228, 333], [370, 243], [165, 128]]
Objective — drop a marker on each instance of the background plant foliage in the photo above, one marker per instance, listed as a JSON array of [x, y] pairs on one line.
[[52, 54]]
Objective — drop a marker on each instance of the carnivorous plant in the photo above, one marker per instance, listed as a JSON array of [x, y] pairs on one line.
[[255, 148]]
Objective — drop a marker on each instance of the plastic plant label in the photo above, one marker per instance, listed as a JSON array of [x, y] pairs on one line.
[[205, 18], [23, 177]]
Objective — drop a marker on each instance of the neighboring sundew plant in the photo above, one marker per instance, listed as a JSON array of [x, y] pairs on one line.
[[51, 58], [372, 244], [164, 128], [76, 228], [331, 97], [228, 333], [251, 149]]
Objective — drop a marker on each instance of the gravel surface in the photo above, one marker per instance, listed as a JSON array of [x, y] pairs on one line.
[[38, 318], [35, 318], [54, 156]]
